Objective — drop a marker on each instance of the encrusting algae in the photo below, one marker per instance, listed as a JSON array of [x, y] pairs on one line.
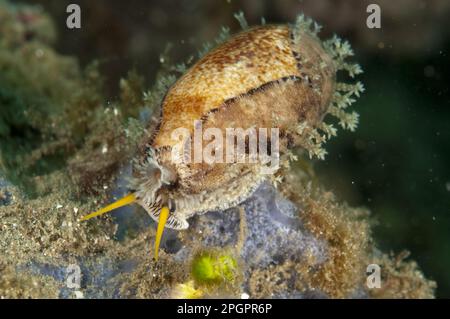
[[294, 241]]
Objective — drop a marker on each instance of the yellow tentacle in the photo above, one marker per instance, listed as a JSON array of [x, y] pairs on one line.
[[159, 231], [129, 199]]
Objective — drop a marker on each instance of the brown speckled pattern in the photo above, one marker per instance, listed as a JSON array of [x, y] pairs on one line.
[[265, 77], [247, 61]]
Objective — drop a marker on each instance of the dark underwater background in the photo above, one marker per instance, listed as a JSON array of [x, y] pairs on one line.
[[396, 163]]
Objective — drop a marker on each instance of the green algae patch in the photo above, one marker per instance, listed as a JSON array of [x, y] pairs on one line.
[[214, 268]]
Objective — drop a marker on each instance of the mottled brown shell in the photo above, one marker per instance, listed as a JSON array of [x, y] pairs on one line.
[[245, 63], [267, 77]]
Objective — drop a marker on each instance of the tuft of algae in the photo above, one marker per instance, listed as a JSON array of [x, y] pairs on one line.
[[210, 268], [69, 153]]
